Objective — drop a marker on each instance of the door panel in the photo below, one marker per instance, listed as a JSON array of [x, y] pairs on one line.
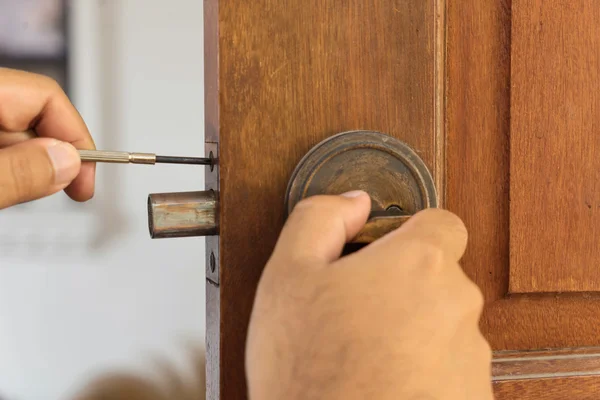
[[480, 141], [493, 115], [554, 145]]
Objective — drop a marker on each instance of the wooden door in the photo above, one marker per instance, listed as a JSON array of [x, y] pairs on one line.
[[499, 98]]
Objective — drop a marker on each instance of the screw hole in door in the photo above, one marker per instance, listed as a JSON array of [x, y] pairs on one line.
[[213, 262]]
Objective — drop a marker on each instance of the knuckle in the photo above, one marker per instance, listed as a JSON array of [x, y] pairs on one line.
[[432, 258], [51, 83], [442, 225], [471, 303], [475, 297], [52, 88], [463, 304], [469, 298], [483, 349], [45, 82], [438, 215]]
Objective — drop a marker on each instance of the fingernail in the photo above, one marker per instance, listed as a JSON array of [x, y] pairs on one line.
[[65, 161], [353, 194]]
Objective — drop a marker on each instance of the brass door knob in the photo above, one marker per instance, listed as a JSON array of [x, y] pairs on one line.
[[184, 214], [392, 173]]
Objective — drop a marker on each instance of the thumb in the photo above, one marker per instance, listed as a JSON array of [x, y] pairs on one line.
[[36, 168], [318, 228]]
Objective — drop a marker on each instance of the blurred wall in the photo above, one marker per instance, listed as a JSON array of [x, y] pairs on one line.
[[83, 289]]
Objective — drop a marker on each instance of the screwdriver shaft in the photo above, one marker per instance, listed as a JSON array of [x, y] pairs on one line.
[[125, 157], [184, 160]]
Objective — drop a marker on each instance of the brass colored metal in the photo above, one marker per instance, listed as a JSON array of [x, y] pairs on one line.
[[379, 226], [142, 158], [117, 157], [125, 157], [211, 182], [183, 214], [395, 177]]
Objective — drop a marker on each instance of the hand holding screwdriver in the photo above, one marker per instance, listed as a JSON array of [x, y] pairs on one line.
[[35, 168]]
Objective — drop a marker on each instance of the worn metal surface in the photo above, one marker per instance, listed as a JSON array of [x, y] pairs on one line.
[[123, 157], [212, 242], [379, 226], [182, 214], [213, 290], [389, 170]]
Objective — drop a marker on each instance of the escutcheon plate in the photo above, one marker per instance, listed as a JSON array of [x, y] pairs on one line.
[[391, 172]]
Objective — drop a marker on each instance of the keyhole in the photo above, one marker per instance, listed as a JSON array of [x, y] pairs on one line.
[[395, 210]]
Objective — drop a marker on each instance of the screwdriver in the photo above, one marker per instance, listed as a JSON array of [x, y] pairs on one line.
[[125, 157]]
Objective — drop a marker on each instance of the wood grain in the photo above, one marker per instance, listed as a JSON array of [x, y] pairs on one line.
[[572, 373], [477, 150], [572, 388], [546, 363], [289, 75], [478, 180], [555, 141]]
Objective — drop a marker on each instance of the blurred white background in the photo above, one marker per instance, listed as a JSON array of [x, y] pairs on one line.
[[83, 288]]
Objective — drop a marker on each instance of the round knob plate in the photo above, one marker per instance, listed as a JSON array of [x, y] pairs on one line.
[[391, 172]]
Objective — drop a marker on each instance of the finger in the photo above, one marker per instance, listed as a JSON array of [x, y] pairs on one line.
[[433, 226], [31, 101], [35, 169], [11, 138], [319, 226]]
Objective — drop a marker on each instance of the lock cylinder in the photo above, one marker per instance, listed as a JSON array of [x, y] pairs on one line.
[[183, 214]]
